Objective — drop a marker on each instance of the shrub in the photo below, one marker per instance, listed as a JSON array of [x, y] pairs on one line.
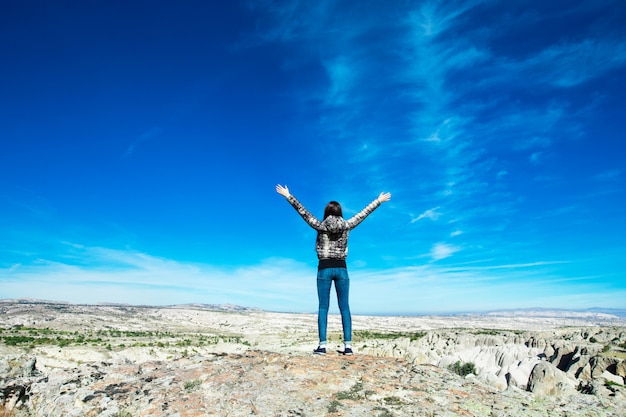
[[383, 412], [393, 401], [191, 385], [353, 394], [463, 369], [333, 407]]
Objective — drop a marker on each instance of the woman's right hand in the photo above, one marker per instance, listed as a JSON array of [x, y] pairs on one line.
[[384, 197], [284, 191]]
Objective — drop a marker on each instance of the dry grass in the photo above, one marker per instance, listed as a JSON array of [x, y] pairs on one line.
[[613, 354]]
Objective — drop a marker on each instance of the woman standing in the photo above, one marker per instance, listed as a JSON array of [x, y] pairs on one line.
[[332, 249]]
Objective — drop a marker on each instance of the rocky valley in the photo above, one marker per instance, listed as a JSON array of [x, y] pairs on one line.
[[196, 360]]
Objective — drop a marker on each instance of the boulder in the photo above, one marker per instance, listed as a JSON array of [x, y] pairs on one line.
[[490, 379], [546, 379], [518, 376], [12, 366]]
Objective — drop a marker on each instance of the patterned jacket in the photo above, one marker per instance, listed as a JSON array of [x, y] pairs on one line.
[[332, 232]]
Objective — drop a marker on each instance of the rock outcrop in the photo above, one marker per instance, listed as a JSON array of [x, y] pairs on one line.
[[111, 361], [508, 359], [276, 384]]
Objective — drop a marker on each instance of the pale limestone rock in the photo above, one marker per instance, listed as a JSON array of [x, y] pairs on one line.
[[547, 379], [599, 364], [620, 368], [584, 374], [537, 342], [498, 382], [563, 355], [549, 351], [83, 381], [613, 378], [518, 376], [577, 365]]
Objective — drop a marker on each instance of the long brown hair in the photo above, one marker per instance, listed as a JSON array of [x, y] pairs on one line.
[[333, 208]]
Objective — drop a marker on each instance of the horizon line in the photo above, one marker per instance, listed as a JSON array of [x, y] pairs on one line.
[[226, 307]]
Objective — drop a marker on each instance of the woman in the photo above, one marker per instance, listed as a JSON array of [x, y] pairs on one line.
[[332, 249]]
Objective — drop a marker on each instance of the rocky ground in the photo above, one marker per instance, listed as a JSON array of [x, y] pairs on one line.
[[121, 361]]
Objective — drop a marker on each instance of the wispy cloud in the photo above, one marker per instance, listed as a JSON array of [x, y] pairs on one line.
[[570, 64], [442, 250], [435, 288], [96, 274], [430, 103], [286, 285], [431, 214]]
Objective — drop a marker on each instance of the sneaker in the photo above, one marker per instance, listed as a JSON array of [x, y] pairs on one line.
[[347, 351], [320, 351]]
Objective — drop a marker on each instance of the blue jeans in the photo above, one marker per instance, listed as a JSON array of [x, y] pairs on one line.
[[325, 278]]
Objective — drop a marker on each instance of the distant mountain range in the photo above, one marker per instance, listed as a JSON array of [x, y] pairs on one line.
[[215, 307], [589, 313], [595, 312]]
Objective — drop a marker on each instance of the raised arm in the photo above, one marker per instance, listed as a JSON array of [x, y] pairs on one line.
[[360, 216], [306, 215]]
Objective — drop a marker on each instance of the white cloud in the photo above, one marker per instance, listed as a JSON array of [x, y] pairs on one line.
[[570, 64], [431, 214], [286, 285], [108, 275], [430, 289], [442, 250], [444, 110]]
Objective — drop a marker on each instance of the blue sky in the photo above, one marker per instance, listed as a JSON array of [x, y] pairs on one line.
[[142, 141]]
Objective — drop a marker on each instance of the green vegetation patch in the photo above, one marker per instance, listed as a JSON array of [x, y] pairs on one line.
[[354, 393], [383, 412], [393, 401], [192, 385], [333, 407], [496, 332], [463, 368], [22, 336], [368, 335]]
